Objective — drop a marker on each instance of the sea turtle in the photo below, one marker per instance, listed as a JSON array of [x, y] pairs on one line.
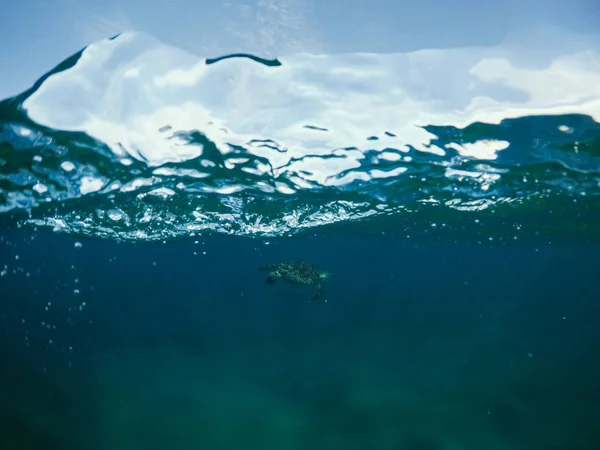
[[297, 272]]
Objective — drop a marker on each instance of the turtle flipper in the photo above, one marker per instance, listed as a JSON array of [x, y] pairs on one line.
[[273, 277], [318, 292]]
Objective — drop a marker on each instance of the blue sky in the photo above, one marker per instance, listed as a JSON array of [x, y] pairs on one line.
[[37, 34]]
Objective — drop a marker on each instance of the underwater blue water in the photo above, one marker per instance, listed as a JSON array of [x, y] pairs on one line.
[[141, 188]]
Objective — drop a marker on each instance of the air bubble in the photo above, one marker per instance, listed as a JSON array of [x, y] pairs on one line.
[[40, 188], [67, 166]]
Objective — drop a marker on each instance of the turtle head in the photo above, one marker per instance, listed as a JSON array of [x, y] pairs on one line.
[[324, 275]]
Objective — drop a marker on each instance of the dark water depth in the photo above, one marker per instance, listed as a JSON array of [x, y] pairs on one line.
[[419, 346]]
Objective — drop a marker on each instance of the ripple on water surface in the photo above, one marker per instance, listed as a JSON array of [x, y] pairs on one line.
[[133, 139]]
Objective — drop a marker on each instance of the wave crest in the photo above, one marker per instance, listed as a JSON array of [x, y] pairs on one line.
[[136, 140]]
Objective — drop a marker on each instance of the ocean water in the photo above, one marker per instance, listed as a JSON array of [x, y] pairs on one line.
[[142, 187]]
